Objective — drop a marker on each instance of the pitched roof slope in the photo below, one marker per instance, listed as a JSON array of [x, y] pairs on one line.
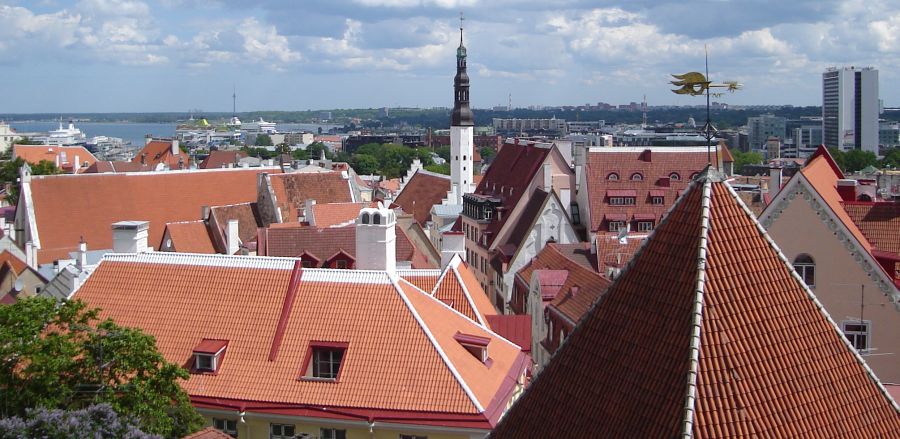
[[221, 159], [61, 156], [190, 237], [696, 338], [247, 216], [158, 152], [292, 190], [335, 214], [459, 289], [67, 207], [879, 222], [400, 352], [424, 189]]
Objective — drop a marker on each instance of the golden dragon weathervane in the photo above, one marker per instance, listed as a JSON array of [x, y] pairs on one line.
[[696, 84]]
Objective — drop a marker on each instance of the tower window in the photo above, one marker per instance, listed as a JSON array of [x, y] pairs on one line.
[[376, 218], [365, 218]]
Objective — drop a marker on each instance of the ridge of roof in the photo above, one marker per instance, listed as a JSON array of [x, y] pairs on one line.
[[697, 313], [466, 293], [258, 169], [433, 174], [431, 338], [204, 260]]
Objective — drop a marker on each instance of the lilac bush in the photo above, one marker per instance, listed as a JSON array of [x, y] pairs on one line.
[[97, 421]]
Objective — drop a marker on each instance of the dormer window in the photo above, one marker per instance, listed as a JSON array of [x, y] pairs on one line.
[[325, 360], [637, 177], [612, 176], [208, 355], [475, 344], [674, 176]]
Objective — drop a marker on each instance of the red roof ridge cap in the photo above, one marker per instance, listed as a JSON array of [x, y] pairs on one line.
[[287, 305]]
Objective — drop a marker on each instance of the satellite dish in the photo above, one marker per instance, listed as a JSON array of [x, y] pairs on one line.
[[19, 285]]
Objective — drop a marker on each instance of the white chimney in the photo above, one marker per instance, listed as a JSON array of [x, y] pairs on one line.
[[376, 239], [81, 262], [175, 149], [130, 236], [147, 140], [548, 177], [30, 255], [232, 237], [774, 181], [452, 244]]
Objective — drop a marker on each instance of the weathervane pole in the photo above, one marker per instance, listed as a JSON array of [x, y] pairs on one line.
[[708, 118]]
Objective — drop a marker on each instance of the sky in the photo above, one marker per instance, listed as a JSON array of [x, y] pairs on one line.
[[181, 55]]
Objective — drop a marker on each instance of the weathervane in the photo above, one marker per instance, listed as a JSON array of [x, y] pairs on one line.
[[696, 84]]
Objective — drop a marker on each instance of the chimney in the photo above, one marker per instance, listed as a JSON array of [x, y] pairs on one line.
[[308, 211], [647, 155], [130, 236], [30, 255], [548, 177], [81, 262], [376, 239], [846, 188], [453, 243], [147, 140], [232, 240], [204, 213], [175, 149], [774, 181]]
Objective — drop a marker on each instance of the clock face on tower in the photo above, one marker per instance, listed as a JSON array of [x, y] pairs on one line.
[[461, 52]]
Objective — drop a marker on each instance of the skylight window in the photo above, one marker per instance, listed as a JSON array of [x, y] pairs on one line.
[[325, 360], [208, 355], [475, 344]]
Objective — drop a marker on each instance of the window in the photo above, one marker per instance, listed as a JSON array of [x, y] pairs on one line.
[[306, 263], [806, 268], [637, 177], [365, 218], [376, 218], [615, 226], [858, 332], [644, 226], [576, 214], [656, 200], [674, 176], [227, 426], [332, 433], [612, 176], [412, 436], [281, 431], [475, 344], [621, 201], [205, 362], [341, 264], [326, 361]]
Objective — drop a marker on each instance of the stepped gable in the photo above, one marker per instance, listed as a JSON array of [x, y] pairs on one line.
[[424, 189], [709, 333]]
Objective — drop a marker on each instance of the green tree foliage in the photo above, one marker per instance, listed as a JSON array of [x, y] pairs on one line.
[[259, 152], [9, 173], [314, 151], [891, 158], [853, 160], [443, 152], [365, 164], [745, 158], [392, 160], [440, 169], [61, 356], [263, 140], [487, 154], [27, 141], [838, 157]]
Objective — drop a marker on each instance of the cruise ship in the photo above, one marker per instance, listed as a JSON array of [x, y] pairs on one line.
[[63, 136], [260, 126]]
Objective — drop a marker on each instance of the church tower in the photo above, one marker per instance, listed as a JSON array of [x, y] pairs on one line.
[[462, 126]]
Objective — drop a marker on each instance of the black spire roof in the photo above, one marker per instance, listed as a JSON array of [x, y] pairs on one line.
[[462, 114]]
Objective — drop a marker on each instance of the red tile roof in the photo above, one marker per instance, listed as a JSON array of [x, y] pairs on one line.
[[62, 156], [293, 240], [507, 179], [68, 207], [699, 339], [189, 237], [14, 262], [208, 433], [108, 166], [335, 214], [221, 159], [401, 364], [459, 289], [654, 169], [248, 223], [612, 252], [158, 152], [423, 190], [515, 328], [879, 222], [292, 190]]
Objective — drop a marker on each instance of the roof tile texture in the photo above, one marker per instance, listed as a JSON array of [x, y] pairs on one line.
[[879, 222], [292, 191], [770, 363], [190, 237], [423, 190]]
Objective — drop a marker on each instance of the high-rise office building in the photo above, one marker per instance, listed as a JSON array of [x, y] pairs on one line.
[[850, 108], [764, 126]]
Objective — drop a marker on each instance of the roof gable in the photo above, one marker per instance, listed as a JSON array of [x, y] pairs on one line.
[[424, 189], [188, 237], [697, 339], [294, 189]]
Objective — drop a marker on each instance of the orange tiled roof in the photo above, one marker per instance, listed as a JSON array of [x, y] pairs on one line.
[[401, 356], [221, 159], [190, 237], [111, 166], [335, 214], [248, 223], [208, 433], [292, 190], [62, 156], [459, 289], [879, 222], [14, 262], [68, 207], [700, 339], [160, 152], [422, 191]]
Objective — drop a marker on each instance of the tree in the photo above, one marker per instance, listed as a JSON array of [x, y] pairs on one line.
[[891, 158], [440, 169], [487, 154], [263, 140], [839, 157], [9, 173], [98, 421], [27, 141], [62, 356], [856, 159], [365, 164], [745, 158], [283, 148]]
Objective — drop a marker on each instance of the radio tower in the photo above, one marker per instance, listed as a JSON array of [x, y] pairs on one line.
[[644, 113]]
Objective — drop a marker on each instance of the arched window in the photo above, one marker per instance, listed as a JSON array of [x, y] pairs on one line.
[[612, 176], [376, 218], [637, 177], [365, 218], [674, 176], [694, 175], [806, 268]]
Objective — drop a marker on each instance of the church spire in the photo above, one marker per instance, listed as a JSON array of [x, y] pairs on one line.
[[462, 114]]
